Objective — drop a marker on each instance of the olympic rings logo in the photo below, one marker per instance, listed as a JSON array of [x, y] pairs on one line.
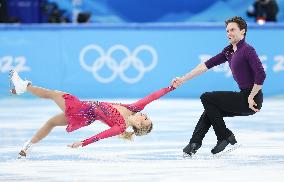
[[118, 67]]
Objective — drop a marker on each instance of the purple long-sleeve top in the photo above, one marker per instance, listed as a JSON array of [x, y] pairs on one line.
[[245, 65]]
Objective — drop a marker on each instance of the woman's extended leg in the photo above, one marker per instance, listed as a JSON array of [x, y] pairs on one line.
[[54, 95], [21, 86], [58, 120]]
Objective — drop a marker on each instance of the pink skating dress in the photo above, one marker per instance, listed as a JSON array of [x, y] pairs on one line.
[[83, 113]]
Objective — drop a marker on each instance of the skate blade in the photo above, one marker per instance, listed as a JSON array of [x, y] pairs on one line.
[[11, 72], [11, 85], [13, 91], [226, 152], [22, 155], [186, 156], [10, 76]]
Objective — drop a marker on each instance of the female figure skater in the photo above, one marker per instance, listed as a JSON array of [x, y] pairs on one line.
[[77, 114]]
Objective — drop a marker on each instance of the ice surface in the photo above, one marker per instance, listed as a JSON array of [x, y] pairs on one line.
[[156, 157]]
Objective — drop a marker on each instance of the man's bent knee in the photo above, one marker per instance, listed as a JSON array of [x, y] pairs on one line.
[[204, 96]]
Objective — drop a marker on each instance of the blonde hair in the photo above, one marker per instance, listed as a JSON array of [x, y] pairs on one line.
[[138, 132]]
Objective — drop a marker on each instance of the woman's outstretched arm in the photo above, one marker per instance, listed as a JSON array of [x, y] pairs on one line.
[[140, 104], [113, 131]]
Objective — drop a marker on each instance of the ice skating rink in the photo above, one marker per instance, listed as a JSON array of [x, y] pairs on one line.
[[156, 157]]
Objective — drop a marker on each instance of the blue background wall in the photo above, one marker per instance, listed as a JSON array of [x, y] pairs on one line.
[[50, 57]]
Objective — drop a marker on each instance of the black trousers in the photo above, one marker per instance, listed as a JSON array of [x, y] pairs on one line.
[[220, 104]]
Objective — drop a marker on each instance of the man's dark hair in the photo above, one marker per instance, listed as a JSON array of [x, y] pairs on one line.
[[239, 21]]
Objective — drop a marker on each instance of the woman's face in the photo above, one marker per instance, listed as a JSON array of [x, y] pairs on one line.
[[142, 120]]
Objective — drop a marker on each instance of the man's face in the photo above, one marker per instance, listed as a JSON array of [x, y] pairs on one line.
[[234, 33]]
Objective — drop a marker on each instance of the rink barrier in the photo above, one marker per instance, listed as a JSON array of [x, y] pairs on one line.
[[131, 60]]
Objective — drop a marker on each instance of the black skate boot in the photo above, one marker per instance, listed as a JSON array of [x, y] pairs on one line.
[[222, 144], [191, 149]]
